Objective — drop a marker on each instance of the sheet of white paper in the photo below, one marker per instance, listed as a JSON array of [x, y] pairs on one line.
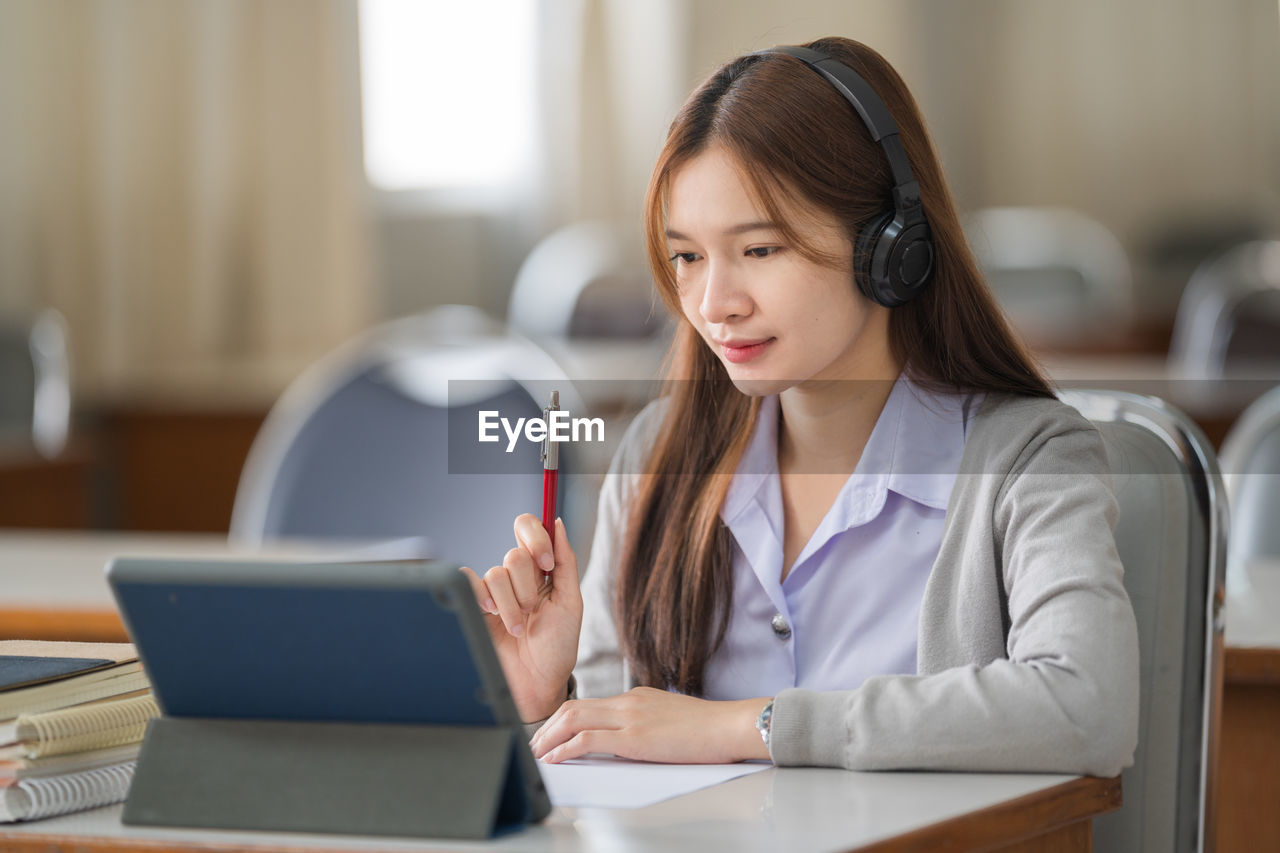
[[618, 783]]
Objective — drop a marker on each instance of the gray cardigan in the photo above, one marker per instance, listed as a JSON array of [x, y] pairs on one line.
[[1028, 651]]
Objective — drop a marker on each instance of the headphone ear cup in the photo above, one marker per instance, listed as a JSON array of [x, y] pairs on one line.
[[894, 263], [864, 261]]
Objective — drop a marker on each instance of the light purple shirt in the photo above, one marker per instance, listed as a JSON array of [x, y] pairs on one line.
[[849, 607]]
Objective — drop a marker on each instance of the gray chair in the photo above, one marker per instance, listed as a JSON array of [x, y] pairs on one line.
[[1171, 537], [1057, 273], [589, 280], [1251, 468], [379, 441], [35, 382], [1229, 314]]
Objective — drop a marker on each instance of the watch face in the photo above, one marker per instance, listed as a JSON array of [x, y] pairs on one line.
[[763, 722]]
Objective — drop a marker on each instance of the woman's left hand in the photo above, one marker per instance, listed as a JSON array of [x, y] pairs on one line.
[[653, 725]]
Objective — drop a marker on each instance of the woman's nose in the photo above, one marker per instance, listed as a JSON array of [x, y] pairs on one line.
[[723, 296]]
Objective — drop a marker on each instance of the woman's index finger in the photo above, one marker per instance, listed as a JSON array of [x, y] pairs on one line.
[[533, 537]]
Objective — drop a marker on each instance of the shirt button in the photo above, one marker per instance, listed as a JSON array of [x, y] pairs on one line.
[[780, 626]]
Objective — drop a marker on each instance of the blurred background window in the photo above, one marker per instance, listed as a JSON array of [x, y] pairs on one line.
[[215, 195], [448, 92]]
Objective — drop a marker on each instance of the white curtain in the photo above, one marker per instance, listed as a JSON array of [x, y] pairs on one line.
[[611, 75], [183, 180]]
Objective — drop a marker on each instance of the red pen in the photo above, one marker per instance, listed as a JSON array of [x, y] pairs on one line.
[[550, 469]]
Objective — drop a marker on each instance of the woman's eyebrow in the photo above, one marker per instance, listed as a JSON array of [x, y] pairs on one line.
[[731, 230]]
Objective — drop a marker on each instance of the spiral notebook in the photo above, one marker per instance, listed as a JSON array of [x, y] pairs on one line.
[[85, 727], [32, 799], [37, 676], [16, 770]]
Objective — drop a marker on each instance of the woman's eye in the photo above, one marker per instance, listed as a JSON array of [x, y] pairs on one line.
[[763, 251], [684, 257]]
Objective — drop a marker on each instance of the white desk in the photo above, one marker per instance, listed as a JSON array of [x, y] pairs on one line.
[[53, 586], [65, 569], [1253, 606], [789, 809]]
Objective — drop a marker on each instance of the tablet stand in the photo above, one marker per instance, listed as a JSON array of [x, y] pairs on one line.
[[349, 778]]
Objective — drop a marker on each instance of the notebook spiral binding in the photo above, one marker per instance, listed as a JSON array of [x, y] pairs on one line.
[[58, 795], [88, 727]]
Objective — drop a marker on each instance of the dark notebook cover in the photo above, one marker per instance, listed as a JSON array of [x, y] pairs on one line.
[[23, 671]]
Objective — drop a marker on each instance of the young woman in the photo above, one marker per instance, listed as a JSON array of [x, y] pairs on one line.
[[858, 530]]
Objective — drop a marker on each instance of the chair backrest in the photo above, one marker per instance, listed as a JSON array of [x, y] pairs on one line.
[[1056, 272], [1171, 537], [1251, 468], [1229, 314], [35, 382], [379, 441], [587, 279]]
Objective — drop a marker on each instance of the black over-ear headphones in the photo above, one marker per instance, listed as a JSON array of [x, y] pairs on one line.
[[894, 255]]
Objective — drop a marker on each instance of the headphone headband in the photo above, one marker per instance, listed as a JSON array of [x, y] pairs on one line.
[[874, 114], [896, 251]]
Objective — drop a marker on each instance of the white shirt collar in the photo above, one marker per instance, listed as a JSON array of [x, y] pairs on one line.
[[914, 450]]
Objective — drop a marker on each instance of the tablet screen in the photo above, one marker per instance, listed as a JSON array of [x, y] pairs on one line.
[[394, 642]]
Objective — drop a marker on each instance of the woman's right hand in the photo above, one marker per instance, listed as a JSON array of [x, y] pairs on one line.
[[533, 617]]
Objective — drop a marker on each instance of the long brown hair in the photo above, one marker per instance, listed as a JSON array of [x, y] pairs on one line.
[[797, 139]]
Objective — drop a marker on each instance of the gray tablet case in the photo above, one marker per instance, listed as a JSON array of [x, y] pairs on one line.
[[344, 698]]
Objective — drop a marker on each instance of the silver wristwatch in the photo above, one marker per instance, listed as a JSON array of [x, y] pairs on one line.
[[763, 722]]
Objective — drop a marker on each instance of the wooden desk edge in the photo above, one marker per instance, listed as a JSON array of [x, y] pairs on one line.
[[1014, 821], [1248, 665], [90, 844], [85, 626]]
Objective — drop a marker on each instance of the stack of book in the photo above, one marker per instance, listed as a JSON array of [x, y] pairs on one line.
[[72, 718]]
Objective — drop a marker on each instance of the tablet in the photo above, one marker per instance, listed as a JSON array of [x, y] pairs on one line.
[[393, 642]]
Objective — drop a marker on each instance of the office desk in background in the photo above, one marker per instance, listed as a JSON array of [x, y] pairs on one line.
[[1213, 403], [165, 453], [54, 587]]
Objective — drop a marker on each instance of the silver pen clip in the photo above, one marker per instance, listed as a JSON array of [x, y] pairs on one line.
[[550, 450]]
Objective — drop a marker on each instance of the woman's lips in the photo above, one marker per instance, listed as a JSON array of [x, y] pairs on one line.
[[744, 350]]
